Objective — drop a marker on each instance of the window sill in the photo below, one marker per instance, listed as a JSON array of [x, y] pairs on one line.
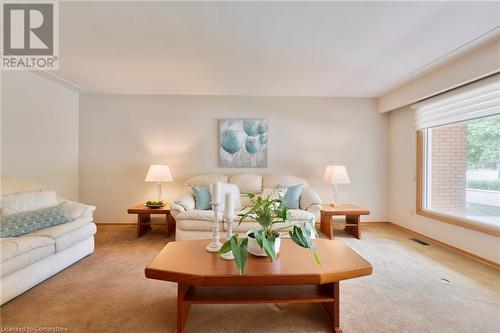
[[465, 223]]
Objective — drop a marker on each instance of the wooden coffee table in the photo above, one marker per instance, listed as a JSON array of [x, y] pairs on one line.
[[352, 215], [204, 278]]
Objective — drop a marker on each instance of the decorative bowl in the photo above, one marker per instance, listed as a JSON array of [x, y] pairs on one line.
[[154, 206]]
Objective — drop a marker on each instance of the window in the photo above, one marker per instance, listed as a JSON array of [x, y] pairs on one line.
[[458, 158]]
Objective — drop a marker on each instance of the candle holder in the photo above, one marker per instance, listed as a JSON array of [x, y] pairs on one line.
[[215, 245], [229, 225]]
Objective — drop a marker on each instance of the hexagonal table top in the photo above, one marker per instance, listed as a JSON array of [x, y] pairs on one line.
[[188, 262]]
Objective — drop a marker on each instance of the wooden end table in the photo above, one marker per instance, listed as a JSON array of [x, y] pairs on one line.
[[352, 215], [204, 278], [144, 218]]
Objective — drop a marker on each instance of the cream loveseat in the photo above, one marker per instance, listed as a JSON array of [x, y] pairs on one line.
[[29, 259], [197, 224]]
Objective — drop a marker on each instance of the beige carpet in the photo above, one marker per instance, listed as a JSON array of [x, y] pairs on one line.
[[107, 292]]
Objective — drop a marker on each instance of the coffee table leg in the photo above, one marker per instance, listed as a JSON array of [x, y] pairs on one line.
[[354, 226], [332, 309], [141, 227], [326, 225], [169, 225], [182, 307]]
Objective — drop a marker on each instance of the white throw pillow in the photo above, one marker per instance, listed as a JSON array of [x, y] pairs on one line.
[[23, 202]]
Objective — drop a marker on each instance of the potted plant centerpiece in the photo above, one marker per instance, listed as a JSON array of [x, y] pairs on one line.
[[266, 240]]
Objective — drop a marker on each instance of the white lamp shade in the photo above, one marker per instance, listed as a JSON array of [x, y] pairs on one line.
[[336, 174], [159, 174]]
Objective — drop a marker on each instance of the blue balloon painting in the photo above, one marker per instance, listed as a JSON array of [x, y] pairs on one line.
[[231, 141], [243, 143]]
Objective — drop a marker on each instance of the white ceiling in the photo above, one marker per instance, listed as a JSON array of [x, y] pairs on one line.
[[263, 48]]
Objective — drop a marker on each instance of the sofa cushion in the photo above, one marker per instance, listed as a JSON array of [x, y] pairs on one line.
[[26, 258], [208, 215], [296, 215], [196, 214], [202, 220], [245, 201], [206, 180], [195, 225], [59, 230], [196, 220], [300, 215], [68, 239], [247, 182], [17, 224], [273, 181], [23, 202], [14, 246]]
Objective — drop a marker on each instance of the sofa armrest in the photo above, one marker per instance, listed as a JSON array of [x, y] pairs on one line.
[[316, 210], [311, 202], [184, 202], [175, 209], [76, 209], [309, 198]]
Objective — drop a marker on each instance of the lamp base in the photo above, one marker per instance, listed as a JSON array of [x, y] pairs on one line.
[[214, 247], [227, 256]]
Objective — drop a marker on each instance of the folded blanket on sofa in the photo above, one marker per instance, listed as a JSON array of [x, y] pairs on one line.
[[13, 225]]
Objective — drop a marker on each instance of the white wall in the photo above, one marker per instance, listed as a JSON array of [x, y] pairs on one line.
[[40, 132], [479, 62], [402, 194], [120, 135]]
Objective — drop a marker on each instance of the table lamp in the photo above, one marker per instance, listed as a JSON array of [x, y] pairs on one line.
[[336, 174], [158, 173]]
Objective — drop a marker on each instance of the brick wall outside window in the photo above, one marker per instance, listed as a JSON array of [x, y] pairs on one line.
[[448, 168]]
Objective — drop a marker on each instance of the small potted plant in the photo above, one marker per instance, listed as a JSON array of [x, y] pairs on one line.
[[266, 240]]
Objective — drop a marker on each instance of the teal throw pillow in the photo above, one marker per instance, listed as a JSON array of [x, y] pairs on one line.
[[201, 197], [292, 196], [17, 224]]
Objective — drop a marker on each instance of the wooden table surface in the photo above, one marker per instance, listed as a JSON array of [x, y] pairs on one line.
[[141, 209], [189, 262], [344, 209], [204, 278]]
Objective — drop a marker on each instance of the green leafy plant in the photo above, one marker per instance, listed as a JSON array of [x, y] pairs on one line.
[[267, 212], [483, 142]]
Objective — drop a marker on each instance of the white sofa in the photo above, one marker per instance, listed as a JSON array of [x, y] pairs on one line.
[[33, 257], [197, 224]]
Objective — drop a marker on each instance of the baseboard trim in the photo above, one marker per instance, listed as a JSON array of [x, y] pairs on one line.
[[378, 223], [448, 246]]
